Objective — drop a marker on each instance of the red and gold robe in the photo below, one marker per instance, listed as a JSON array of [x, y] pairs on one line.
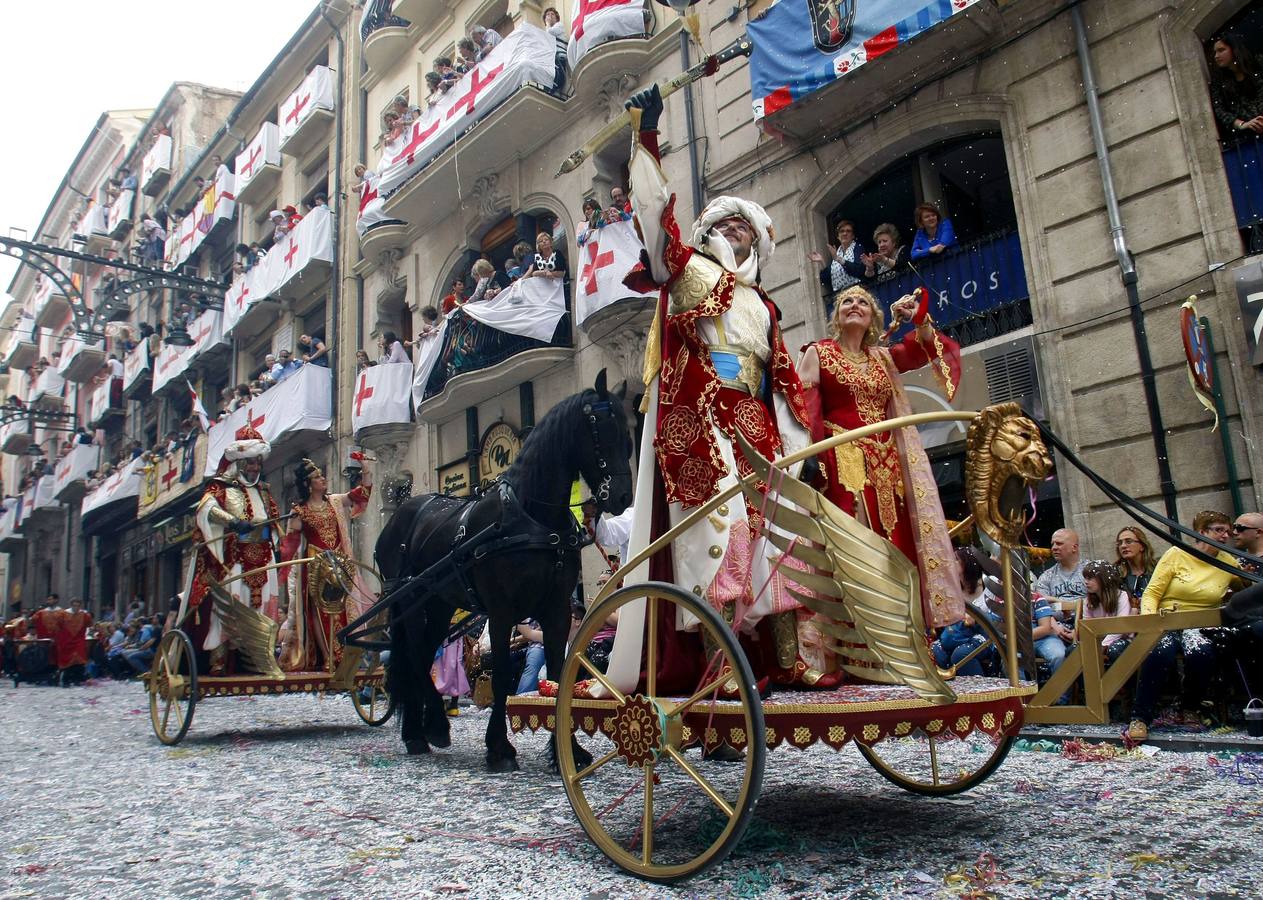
[[72, 638]]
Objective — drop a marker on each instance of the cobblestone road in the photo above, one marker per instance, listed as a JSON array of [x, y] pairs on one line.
[[294, 797]]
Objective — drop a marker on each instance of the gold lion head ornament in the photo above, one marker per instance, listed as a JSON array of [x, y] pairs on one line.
[[1004, 457]]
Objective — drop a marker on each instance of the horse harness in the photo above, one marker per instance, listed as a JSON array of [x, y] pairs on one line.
[[466, 549]]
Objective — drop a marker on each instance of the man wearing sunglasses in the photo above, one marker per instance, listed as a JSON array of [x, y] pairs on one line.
[[1247, 535]]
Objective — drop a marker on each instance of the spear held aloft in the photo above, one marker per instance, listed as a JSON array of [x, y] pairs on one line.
[[708, 66]]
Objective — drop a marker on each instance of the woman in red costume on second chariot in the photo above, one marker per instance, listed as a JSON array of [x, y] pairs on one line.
[[850, 380]]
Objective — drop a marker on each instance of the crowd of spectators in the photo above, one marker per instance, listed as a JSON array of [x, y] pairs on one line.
[[848, 262]]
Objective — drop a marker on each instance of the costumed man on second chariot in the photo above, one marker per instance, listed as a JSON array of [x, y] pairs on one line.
[[318, 608], [716, 365], [236, 520]]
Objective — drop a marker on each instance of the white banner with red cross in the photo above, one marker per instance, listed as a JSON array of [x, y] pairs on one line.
[[381, 397], [311, 239], [135, 363], [605, 258], [120, 210], [372, 207], [316, 92], [157, 159], [530, 307], [172, 362], [299, 403], [181, 237], [121, 485], [75, 465], [526, 55], [598, 21], [264, 150]]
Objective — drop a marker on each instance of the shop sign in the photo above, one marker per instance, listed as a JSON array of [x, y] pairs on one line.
[[500, 446]]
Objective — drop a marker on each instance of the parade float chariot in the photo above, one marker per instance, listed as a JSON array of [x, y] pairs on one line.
[[175, 686], [663, 816]]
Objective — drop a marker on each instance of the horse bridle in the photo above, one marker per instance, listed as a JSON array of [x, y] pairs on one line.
[[590, 410]]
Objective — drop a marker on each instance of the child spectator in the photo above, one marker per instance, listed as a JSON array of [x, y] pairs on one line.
[[1106, 598], [430, 328]]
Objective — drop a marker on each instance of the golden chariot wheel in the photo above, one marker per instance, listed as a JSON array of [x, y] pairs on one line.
[[372, 701], [656, 807], [172, 685], [945, 764]]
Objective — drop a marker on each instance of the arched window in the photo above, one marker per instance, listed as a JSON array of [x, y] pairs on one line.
[[975, 276]]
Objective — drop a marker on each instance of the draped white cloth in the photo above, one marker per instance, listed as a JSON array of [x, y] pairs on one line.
[[609, 21], [531, 307]]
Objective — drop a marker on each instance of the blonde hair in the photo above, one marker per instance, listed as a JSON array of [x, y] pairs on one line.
[[483, 268], [872, 337]]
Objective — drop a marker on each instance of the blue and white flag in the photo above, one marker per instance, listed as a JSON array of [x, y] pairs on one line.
[[800, 46]]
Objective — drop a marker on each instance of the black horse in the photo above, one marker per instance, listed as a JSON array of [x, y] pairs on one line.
[[512, 552]]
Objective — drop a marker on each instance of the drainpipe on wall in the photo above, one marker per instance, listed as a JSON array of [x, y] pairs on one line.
[[1126, 262], [335, 195], [695, 176]]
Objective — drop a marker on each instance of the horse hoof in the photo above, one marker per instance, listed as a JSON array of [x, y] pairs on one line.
[[441, 741], [501, 765], [416, 748]]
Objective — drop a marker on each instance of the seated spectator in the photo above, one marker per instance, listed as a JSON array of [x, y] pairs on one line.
[[362, 360], [485, 38], [1181, 581], [534, 638], [552, 24], [549, 263], [1135, 561], [889, 257], [456, 299], [142, 656], [393, 349], [122, 639], [845, 265], [1063, 580], [1247, 536], [1047, 632], [934, 232], [313, 350], [1106, 598], [1236, 87], [957, 641]]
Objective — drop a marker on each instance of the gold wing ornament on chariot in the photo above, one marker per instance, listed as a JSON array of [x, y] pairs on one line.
[[858, 576], [251, 634]]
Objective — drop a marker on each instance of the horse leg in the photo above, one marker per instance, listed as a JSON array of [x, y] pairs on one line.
[[404, 687], [437, 726], [501, 755], [555, 623]]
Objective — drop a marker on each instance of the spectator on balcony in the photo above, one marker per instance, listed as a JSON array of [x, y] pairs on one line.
[[485, 277], [393, 349], [485, 39], [433, 82], [890, 256], [319, 201], [292, 216], [153, 240], [362, 360], [115, 365], [430, 326], [241, 397], [934, 232], [256, 388], [265, 376], [845, 266], [449, 75], [549, 262], [407, 112], [552, 24], [456, 299], [592, 220], [1236, 86], [285, 366], [280, 224], [466, 55], [392, 128], [128, 182], [620, 207], [313, 351], [218, 168]]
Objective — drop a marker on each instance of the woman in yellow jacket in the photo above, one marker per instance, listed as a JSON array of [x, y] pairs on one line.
[[1183, 582]]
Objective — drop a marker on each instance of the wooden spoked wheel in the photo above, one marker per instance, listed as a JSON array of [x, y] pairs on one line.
[[373, 702], [172, 687], [945, 764], [657, 808]]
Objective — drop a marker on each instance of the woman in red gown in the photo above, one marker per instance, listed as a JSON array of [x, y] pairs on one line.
[[321, 522], [851, 380]]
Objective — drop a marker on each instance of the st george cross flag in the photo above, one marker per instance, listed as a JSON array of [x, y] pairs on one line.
[[316, 92], [372, 208], [800, 46], [264, 150], [299, 403], [598, 21], [609, 253], [527, 55], [198, 407], [381, 396], [530, 307]]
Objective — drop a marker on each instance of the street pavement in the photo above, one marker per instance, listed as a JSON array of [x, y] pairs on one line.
[[292, 796]]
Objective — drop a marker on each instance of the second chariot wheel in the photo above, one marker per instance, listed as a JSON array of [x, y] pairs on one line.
[[945, 764], [372, 701], [172, 684], [653, 810]]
